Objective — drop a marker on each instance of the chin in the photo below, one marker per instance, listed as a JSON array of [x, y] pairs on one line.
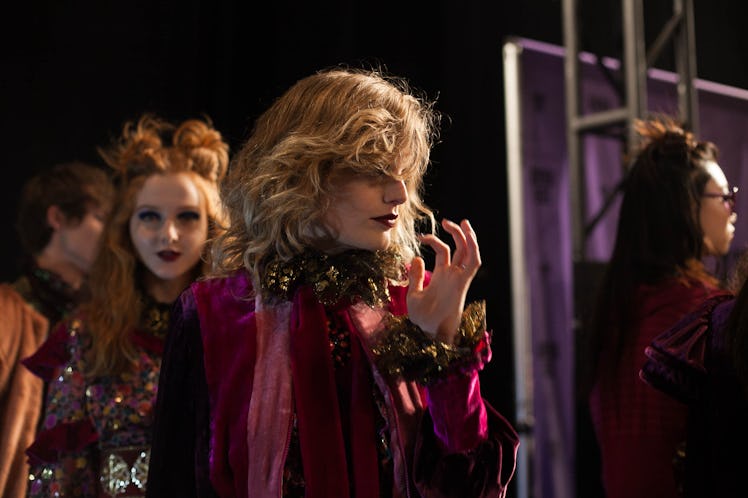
[[368, 245], [379, 247], [169, 275]]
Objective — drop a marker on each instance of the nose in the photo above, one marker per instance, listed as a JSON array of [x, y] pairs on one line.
[[169, 232], [733, 217], [396, 192]]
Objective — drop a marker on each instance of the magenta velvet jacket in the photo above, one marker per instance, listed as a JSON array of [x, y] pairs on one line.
[[235, 371]]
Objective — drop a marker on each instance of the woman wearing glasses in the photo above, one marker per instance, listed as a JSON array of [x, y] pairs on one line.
[[702, 361], [677, 207]]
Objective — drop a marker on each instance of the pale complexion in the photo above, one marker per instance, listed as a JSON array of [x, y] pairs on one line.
[[364, 214], [716, 215], [169, 228]]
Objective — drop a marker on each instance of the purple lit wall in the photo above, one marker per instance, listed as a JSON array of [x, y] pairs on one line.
[[540, 223]]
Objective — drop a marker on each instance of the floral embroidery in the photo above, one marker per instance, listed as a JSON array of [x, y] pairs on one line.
[[119, 409]]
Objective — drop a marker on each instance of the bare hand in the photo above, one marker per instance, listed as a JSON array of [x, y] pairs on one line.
[[437, 309]]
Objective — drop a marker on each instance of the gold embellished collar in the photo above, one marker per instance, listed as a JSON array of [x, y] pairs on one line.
[[355, 275], [154, 319]]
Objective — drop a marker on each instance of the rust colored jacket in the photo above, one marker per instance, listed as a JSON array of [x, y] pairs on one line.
[[22, 331]]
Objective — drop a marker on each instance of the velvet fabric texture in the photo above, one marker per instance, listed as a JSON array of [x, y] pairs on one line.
[[677, 359], [690, 362], [321, 435], [220, 325]]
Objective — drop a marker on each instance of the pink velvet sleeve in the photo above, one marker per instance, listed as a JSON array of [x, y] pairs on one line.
[[458, 412]]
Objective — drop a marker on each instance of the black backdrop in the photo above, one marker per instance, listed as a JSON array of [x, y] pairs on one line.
[[72, 72]]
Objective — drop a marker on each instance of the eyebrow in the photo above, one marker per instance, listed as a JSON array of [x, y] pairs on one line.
[[153, 206]]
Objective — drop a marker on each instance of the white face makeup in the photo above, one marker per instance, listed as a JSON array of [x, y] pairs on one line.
[[365, 211], [716, 214], [169, 226]]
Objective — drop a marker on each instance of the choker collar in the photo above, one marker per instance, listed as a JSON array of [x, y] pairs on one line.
[[336, 279]]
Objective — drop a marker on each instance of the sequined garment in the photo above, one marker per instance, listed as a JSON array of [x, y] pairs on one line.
[[99, 428]]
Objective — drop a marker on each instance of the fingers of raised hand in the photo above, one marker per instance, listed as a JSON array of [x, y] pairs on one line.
[[467, 254], [441, 250], [416, 275]]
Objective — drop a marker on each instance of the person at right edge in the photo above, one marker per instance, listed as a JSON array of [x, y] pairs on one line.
[[702, 361], [676, 209], [323, 360]]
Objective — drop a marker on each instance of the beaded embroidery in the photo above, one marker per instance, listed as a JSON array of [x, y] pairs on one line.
[[118, 408]]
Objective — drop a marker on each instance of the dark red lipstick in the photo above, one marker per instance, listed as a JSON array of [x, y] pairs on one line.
[[168, 256]]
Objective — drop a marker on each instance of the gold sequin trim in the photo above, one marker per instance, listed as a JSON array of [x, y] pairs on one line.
[[353, 275], [407, 351]]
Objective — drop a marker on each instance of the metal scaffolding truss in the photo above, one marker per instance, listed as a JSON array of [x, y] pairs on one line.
[[631, 84], [636, 59]]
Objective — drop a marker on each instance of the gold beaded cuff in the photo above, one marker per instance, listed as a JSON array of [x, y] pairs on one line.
[[407, 351]]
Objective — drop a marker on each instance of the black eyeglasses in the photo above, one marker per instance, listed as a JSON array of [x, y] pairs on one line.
[[725, 197]]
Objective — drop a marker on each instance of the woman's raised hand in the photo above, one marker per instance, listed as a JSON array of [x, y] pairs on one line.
[[437, 308]]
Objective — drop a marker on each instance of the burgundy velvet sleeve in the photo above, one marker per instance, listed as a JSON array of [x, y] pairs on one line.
[[179, 452], [483, 471], [65, 437], [458, 412], [465, 447], [51, 355], [676, 358]]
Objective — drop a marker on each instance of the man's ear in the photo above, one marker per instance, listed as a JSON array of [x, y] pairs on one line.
[[55, 217]]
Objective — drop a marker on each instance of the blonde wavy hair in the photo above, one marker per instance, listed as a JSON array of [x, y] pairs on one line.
[[150, 146], [327, 126]]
